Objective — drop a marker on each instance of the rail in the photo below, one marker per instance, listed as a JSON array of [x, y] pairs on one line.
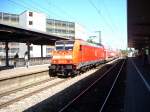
[[104, 91], [108, 95]]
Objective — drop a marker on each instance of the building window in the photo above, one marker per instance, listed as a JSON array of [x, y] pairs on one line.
[[49, 30], [30, 22], [13, 18], [14, 50], [5, 17], [64, 24], [30, 14], [17, 19], [1, 49]]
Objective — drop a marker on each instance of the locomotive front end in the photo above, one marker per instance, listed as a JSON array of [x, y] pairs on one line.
[[62, 60]]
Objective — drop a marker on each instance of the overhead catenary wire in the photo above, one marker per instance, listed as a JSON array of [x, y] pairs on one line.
[[14, 3], [19, 4], [110, 18], [108, 14], [33, 8], [104, 18], [45, 9], [60, 9], [101, 15]]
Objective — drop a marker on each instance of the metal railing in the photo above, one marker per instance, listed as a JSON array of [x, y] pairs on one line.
[[32, 61]]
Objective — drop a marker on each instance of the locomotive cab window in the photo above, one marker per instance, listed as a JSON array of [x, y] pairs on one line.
[[59, 45], [64, 45], [69, 45]]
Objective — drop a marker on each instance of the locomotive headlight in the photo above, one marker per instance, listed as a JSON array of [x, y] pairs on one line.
[[56, 57], [68, 57], [54, 61], [53, 66]]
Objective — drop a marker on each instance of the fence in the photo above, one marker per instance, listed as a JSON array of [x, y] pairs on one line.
[[32, 61]]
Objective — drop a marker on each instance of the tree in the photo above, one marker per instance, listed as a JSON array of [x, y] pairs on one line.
[[124, 52]]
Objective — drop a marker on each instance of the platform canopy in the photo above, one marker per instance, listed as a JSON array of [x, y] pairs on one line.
[[138, 23], [18, 34]]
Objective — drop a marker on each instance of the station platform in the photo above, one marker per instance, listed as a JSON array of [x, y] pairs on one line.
[[137, 95], [20, 71]]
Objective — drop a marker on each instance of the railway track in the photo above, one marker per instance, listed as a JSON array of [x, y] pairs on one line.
[[10, 97], [25, 87], [13, 96], [27, 91], [95, 96]]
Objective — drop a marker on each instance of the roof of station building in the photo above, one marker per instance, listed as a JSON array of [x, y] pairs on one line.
[[22, 35], [138, 23]]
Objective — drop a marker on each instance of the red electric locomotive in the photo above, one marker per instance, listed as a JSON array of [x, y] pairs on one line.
[[72, 56]]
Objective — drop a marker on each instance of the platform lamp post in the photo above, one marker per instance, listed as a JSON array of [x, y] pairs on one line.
[[100, 40]]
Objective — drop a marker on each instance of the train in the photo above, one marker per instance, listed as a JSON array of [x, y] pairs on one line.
[[72, 57]]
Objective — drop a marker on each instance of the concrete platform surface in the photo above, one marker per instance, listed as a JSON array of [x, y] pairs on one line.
[[20, 71], [137, 96]]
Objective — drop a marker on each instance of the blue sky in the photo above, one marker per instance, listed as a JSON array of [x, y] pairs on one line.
[[108, 16]]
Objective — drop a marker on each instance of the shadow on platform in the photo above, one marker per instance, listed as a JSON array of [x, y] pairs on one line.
[[6, 67]]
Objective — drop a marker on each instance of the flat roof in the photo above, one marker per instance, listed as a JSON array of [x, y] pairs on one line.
[[23, 35]]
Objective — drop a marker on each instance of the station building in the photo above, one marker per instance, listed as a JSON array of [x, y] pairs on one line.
[[39, 22]]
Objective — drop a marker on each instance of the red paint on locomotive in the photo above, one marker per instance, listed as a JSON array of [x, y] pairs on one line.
[[70, 56]]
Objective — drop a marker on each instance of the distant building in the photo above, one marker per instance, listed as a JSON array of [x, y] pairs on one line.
[[38, 21], [11, 19], [61, 28], [35, 21]]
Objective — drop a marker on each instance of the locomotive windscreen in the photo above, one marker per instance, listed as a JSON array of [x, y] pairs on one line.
[[64, 45]]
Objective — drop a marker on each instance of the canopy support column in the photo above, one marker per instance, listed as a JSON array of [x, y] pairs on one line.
[[6, 49], [28, 48], [42, 51]]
